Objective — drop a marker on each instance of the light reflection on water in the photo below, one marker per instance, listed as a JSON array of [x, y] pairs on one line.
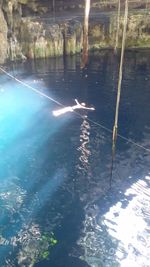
[[119, 237], [83, 148], [54, 172]]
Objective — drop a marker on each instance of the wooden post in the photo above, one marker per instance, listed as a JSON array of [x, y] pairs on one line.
[[85, 33], [115, 128], [118, 26]]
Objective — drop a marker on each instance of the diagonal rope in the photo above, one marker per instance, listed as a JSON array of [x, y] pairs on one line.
[[119, 135], [60, 104], [30, 87]]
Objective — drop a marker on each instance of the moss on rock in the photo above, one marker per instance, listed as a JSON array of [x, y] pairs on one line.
[[37, 37]]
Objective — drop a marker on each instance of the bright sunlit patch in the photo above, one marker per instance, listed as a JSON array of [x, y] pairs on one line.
[[147, 178], [119, 237], [25, 125], [26, 128], [19, 107], [129, 226]]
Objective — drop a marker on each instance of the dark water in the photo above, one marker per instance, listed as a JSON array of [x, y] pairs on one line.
[[55, 171]]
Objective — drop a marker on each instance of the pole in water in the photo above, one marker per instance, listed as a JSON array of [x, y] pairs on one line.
[[114, 138], [118, 26], [115, 128], [85, 34]]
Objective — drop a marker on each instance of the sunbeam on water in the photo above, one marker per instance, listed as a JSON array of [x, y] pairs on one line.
[[126, 241], [56, 207], [26, 126], [129, 226], [17, 108]]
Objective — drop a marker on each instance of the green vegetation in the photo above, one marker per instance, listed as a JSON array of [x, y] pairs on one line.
[[46, 242], [50, 239]]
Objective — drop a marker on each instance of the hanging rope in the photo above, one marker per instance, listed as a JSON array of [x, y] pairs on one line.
[[115, 128], [118, 26]]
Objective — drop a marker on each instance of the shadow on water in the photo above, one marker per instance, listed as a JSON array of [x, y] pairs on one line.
[[55, 172]]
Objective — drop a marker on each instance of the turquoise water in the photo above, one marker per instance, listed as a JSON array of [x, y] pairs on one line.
[[56, 206]]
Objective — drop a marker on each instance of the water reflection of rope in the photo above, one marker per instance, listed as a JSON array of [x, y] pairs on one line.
[[60, 104], [83, 148]]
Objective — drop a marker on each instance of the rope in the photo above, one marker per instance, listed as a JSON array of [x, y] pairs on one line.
[[30, 87], [119, 135], [90, 120]]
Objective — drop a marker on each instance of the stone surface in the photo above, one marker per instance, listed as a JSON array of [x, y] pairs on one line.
[[3, 38], [73, 34], [30, 28], [39, 39], [102, 31]]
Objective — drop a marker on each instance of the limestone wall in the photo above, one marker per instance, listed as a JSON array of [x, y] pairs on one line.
[[28, 31], [3, 38], [102, 31], [42, 39]]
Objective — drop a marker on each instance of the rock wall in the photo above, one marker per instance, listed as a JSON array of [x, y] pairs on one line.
[[42, 39], [102, 31], [28, 31], [3, 38], [43, 6]]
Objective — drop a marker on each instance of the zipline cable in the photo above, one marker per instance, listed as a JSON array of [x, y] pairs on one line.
[[60, 104]]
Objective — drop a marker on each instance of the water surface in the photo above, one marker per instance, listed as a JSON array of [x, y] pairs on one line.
[[55, 171]]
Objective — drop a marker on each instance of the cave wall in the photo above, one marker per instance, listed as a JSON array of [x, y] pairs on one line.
[[28, 28], [102, 31], [3, 37], [41, 39]]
